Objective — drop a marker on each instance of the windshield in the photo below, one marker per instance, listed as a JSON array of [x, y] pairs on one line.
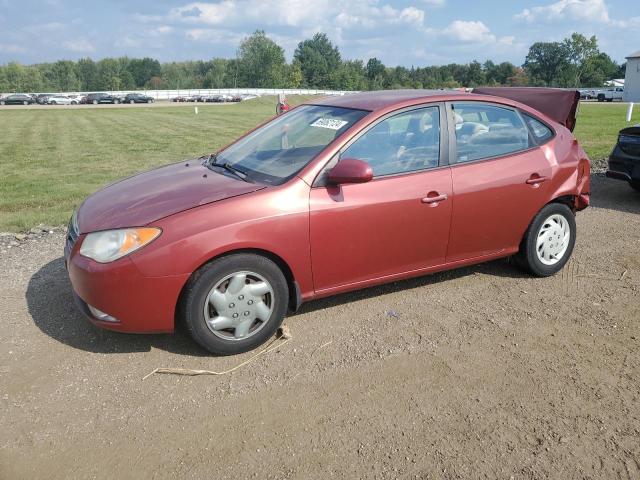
[[281, 148]]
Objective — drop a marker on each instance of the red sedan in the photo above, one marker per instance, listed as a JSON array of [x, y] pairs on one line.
[[335, 195]]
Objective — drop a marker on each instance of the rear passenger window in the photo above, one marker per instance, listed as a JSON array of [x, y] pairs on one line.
[[485, 131], [539, 130]]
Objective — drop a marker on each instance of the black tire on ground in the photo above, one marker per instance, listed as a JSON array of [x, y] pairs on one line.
[[601, 98], [191, 308], [527, 257], [53, 102], [635, 184]]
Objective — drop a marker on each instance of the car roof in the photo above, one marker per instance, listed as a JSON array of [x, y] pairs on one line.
[[377, 100]]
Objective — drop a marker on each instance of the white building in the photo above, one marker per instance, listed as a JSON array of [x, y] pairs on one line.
[[632, 78]]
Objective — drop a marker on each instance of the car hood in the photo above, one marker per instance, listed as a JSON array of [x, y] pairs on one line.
[[150, 196]]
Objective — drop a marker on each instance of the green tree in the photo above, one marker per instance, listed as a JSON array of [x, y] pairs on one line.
[[319, 61], [546, 62], [215, 76], [261, 62], [142, 69], [87, 72], [376, 71], [581, 52]]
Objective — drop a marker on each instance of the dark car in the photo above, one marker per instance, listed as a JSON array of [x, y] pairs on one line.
[[137, 98], [96, 98], [43, 98], [624, 161], [338, 194], [17, 99]]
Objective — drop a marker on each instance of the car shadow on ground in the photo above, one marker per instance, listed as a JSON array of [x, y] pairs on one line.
[[504, 267], [53, 309], [613, 195]]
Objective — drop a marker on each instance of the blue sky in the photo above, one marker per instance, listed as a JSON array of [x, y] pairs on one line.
[[419, 32]]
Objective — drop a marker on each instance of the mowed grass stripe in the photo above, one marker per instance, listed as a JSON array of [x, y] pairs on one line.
[[51, 159]]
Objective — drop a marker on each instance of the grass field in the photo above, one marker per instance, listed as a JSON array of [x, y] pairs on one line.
[[51, 159]]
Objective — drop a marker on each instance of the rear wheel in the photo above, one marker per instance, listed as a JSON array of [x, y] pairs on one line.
[[235, 303], [549, 240]]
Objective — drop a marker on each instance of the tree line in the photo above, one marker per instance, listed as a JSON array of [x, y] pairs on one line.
[[317, 63]]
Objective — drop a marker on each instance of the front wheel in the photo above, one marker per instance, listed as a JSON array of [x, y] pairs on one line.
[[549, 240], [234, 304]]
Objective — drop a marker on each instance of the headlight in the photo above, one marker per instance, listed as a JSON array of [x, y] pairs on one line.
[[111, 245]]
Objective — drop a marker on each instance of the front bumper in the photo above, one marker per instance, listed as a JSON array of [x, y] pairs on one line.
[[139, 304]]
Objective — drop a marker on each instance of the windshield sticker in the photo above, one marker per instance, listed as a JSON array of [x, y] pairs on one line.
[[330, 123]]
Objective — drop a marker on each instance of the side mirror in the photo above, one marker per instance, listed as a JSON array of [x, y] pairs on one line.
[[350, 170]]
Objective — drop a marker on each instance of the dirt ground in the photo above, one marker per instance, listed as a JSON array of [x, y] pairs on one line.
[[482, 372]]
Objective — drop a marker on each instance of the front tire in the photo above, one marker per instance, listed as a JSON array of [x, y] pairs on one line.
[[235, 303], [548, 243]]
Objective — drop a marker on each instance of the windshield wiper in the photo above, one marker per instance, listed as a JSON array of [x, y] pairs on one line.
[[212, 162]]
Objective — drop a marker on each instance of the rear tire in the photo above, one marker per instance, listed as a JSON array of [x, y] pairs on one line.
[[544, 249], [229, 319]]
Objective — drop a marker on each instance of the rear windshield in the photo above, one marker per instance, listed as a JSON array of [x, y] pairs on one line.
[[281, 148]]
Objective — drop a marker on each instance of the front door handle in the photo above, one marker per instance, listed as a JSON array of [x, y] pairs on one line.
[[434, 198], [535, 180]]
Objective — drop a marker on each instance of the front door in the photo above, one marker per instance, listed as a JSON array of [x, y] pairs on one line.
[[396, 223]]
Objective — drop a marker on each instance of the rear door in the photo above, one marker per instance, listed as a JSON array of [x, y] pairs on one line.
[[396, 223], [500, 179]]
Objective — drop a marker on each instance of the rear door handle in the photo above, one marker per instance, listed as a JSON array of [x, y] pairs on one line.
[[535, 180], [435, 199]]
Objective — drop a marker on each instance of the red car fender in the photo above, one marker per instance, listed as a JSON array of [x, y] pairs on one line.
[[194, 237]]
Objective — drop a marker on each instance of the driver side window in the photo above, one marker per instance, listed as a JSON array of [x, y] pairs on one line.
[[406, 142]]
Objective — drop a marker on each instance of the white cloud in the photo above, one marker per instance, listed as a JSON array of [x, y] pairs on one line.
[[297, 13], [582, 10], [470, 32], [79, 45]]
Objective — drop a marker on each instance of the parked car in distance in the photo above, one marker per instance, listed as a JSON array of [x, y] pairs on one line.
[[137, 98], [610, 94], [337, 194], [17, 99], [587, 93], [98, 98], [624, 161], [61, 100], [43, 98]]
